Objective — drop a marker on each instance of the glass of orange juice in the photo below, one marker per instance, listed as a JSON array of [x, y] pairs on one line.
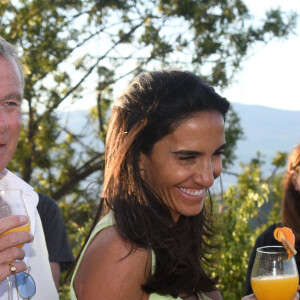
[[12, 203], [273, 275]]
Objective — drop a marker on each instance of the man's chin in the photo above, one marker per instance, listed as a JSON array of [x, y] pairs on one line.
[[4, 163]]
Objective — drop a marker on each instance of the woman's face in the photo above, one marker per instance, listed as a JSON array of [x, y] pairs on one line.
[[185, 163]]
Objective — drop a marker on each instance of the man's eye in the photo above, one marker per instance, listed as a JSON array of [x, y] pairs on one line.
[[12, 103]]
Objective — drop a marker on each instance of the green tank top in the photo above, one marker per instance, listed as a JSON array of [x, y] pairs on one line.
[[107, 221]]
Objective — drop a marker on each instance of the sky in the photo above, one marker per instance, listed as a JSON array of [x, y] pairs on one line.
[[271, 76]]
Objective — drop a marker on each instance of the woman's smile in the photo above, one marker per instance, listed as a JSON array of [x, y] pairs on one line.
[[194, 192]]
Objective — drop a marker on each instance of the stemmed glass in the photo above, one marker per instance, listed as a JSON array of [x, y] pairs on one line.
[[274, 275], [12, 203]]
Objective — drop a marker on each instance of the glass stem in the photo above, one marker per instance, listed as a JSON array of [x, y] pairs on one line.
[[9, 288]]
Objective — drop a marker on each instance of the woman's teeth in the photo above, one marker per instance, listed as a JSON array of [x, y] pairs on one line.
[[193, 192]]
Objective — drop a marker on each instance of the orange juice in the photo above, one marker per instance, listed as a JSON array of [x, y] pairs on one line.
[[281, 287], [26, 227]]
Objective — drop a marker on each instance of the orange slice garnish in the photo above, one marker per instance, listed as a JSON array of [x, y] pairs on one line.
[[286, 236]]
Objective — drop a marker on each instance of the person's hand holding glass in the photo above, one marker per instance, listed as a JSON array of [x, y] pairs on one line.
[[274, 274], [14, 232]]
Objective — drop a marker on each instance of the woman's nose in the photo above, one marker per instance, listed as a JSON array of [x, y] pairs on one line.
[[3, 123], [204, 175]]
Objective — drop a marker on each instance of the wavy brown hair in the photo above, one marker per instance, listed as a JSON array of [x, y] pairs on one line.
[[151, 108], [291, 199]]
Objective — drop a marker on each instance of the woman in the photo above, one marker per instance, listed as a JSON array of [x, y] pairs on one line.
[[291, 200], [164, 149], [290, 213]]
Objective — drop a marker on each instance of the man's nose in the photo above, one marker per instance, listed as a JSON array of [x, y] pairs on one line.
[[3, 123]]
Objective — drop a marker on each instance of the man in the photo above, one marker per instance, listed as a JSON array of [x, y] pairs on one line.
[[34, 255], [60, 253]]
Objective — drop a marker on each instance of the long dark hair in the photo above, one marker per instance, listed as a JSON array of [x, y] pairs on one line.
[[291, 199], [151, 108]]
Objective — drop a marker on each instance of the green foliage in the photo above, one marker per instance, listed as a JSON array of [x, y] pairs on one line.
[[237, 237], [233, 133], [73, 50], [78, 49], [280, 159], [276, 186]]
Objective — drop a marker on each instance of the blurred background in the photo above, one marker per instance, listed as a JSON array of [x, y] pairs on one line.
[[79, 55]]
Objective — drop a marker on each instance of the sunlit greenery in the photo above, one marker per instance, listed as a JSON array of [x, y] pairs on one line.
[[75, 50], [241, 204]]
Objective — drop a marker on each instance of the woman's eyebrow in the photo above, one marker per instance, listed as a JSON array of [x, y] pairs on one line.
[[191, 152], [186, 152]]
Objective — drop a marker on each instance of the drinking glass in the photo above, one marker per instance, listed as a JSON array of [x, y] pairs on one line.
[[12, 203], [273, 275]]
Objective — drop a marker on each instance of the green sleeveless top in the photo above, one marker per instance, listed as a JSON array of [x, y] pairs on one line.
[[107, 221]]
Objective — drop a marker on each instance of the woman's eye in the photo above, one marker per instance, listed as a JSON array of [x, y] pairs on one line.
[[186, 157], [221, 152]]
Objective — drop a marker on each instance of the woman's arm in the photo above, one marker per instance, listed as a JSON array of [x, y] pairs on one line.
[[110, 271]]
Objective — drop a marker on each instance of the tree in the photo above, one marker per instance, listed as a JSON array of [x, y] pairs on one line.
[[75, 49], [78, 49]]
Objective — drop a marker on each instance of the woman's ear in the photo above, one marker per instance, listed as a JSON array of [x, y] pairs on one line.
[[142, 161]]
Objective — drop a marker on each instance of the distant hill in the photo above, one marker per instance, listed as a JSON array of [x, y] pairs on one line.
[[266, 130]]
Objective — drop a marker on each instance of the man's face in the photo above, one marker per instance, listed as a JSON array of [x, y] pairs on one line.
[[11, 94]]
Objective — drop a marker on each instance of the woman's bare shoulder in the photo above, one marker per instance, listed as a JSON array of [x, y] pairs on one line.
[[111, 269], [215, 295]]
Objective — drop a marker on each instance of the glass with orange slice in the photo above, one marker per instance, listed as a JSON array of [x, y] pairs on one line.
[[274, 274]]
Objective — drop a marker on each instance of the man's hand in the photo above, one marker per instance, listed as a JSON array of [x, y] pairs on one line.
[[9, 252]]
